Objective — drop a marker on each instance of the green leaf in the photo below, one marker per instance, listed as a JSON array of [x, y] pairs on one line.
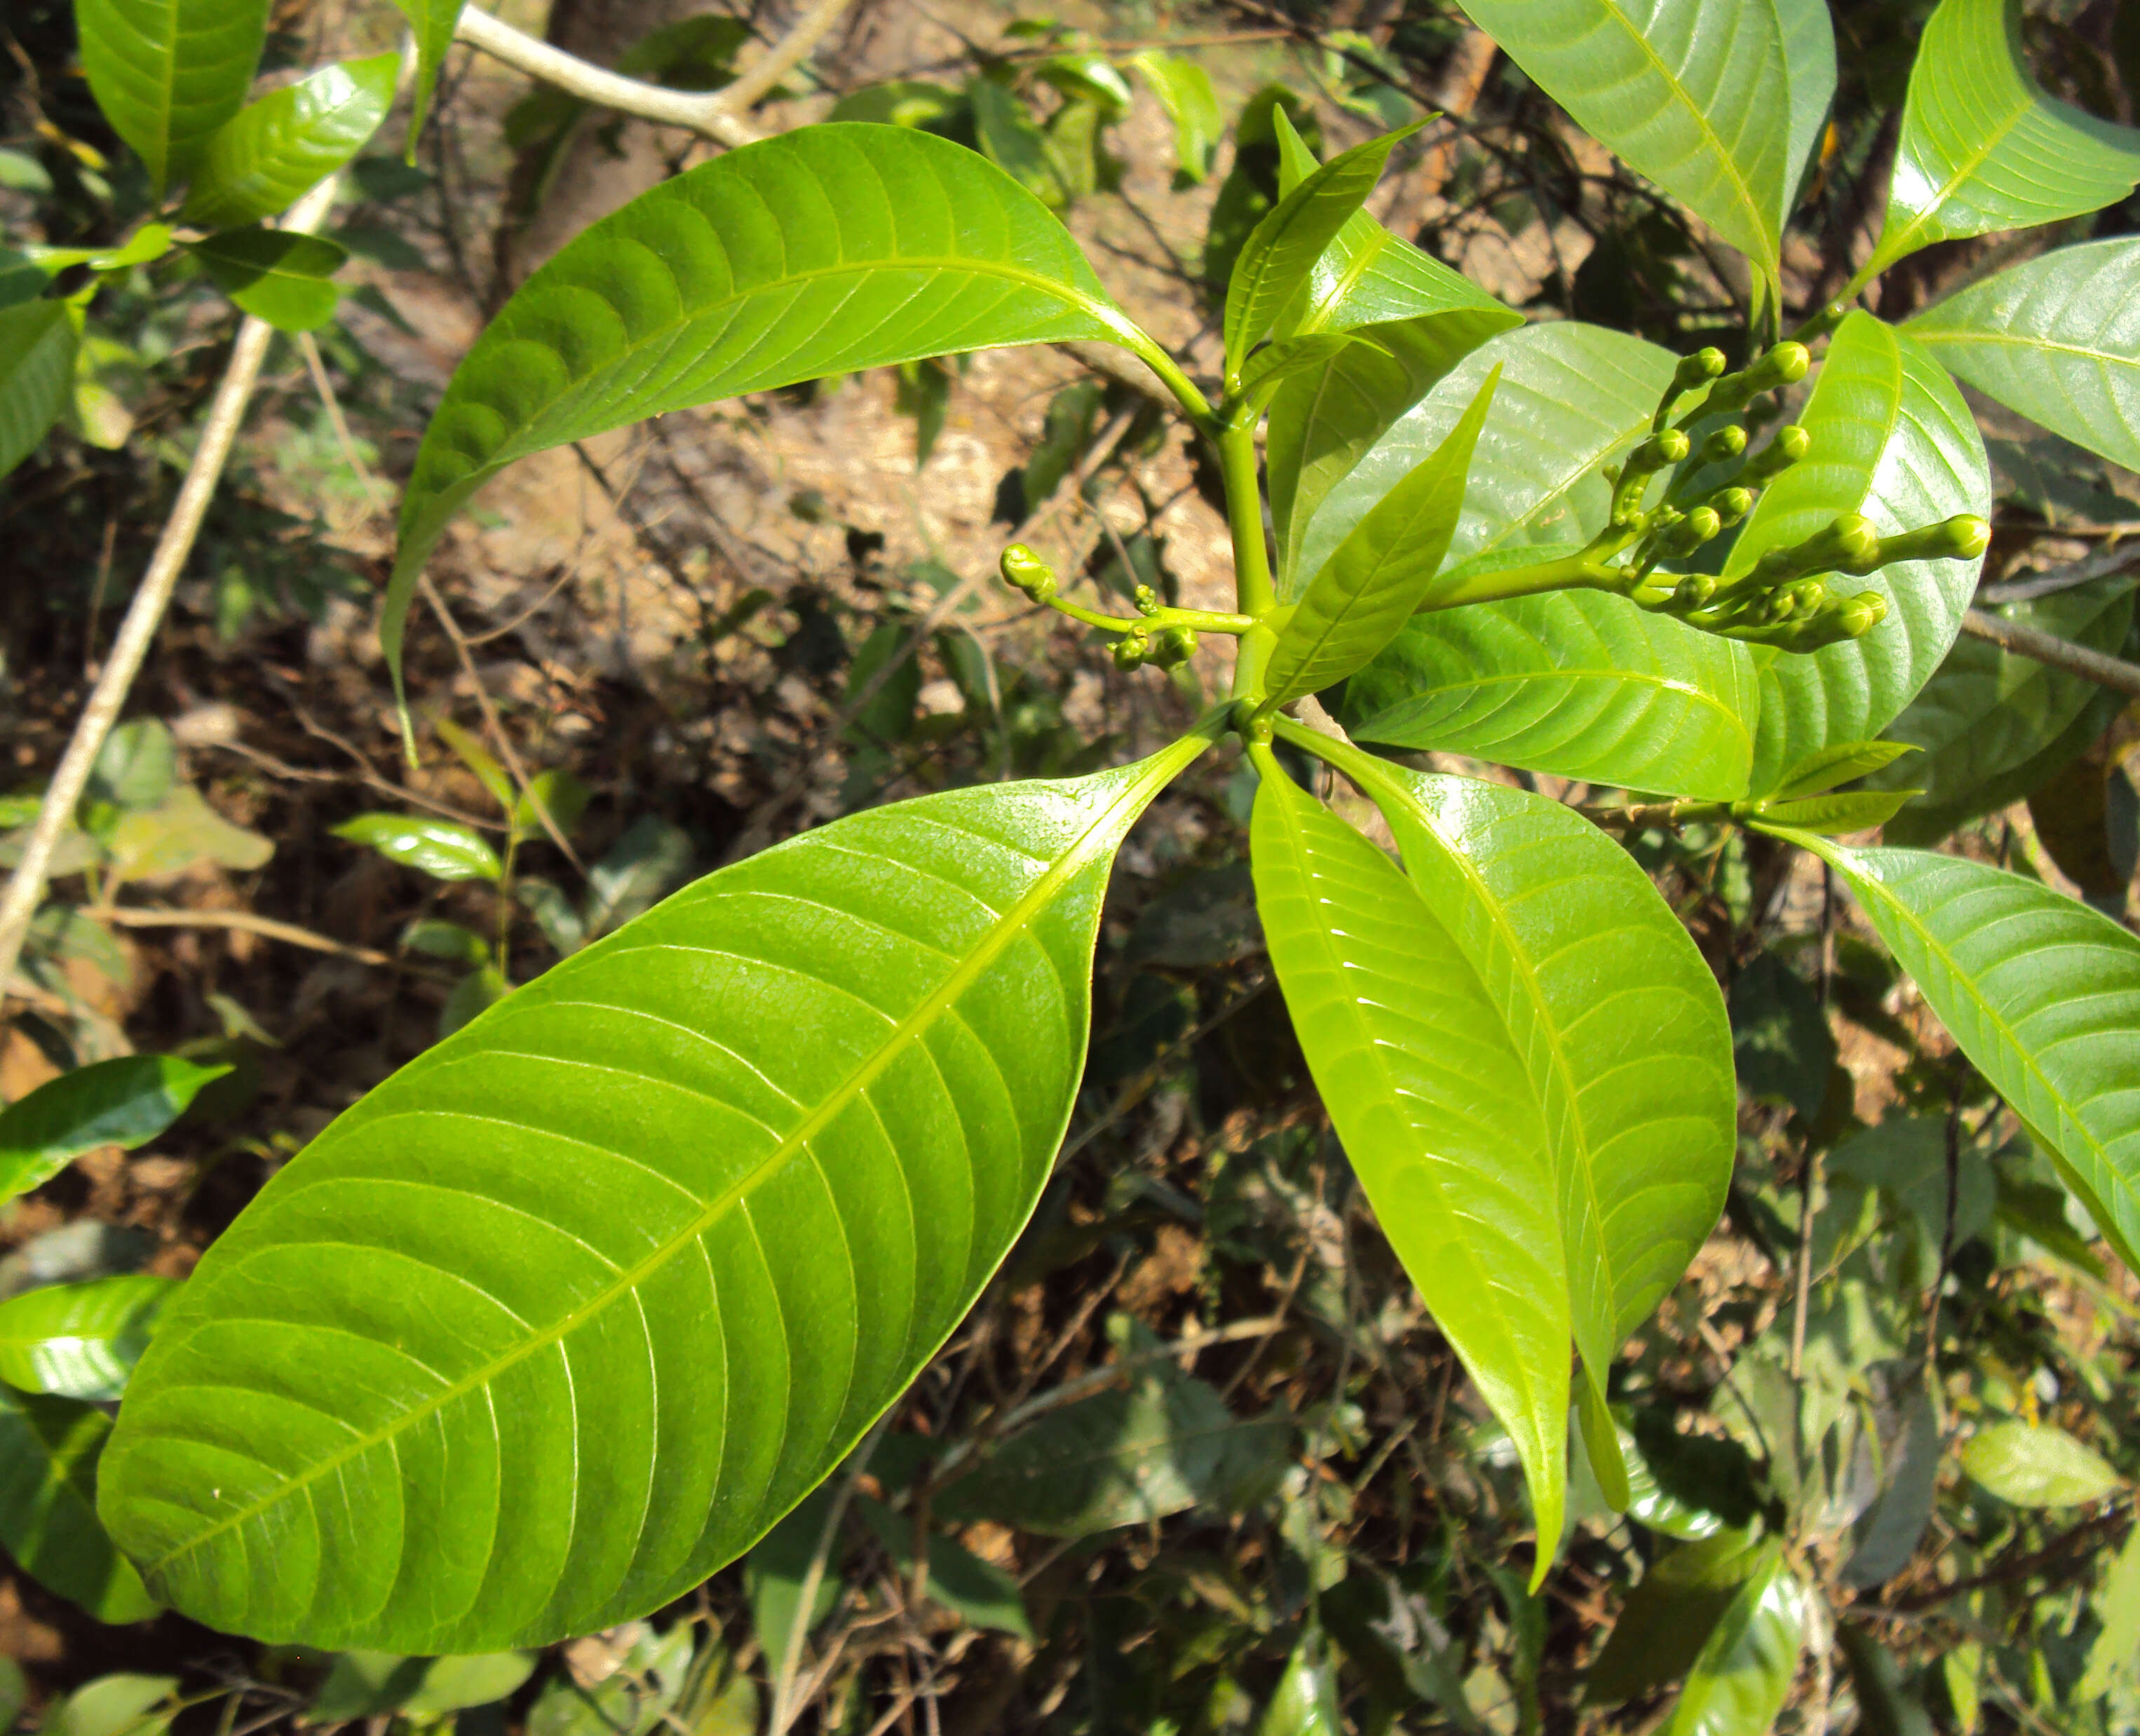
[[432, 21], [263, 159], [1892, 439], [1743, 1674], [650, 861], [1808, 38], [985, 1594], [1376, 577], [447, 940], [637, 1700], [2041, 992], [114, 1705], [2115, 1607], [37, 344], [1781, 1044], [1888, 1534], [1305, 1701], [2056, 338], [1887, 1705], [156, 843], [168, 73], [1670, 1614], [374, 1684], [481, 989], [1983, 148], [1834, 811], [1701, 101], [1987, 718], [49, 1449], [443, 849], [125, 1102], [79, 1341], [1285, 247], [277, 275], [826, 250], [556, 793], [1184, 90], [1437, 1113], [135, 768], [686, 1258], [1825, 768], [1280, 361], [479, 760], [2036, 1465], [773, 1574], [1010, 138], [1632, 1085]]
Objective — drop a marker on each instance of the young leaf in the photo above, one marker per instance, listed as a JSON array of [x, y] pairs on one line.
[[49, 1449], [1991, 723], [116, 1705], [277, 275], [1669, 1615], [1276, 362], [1825, 768], [2041, 992], [1435, 1110], [479, 760], [668, 1263], [37, 344], [1184, 90], [263, 159], [1744, 1673], [1623, 1032], [432, 21], [2056, 338], [124, 1102], [1834, 811], [79, 1341], [168, 73], [1701, 101], [2036, 1465], [1284, 247], [826, 250], [443, 849], [1892, 439], [1983, 148], [1376, 577]]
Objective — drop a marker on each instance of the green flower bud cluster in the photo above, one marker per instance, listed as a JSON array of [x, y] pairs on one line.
[[1151, 637], [1165, 648], [1023, 570]]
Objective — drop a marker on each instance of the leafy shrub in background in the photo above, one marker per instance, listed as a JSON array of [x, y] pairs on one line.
[[582, 1304]]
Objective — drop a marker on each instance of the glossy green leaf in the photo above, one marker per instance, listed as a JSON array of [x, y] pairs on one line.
[[826, 250], [1743, 1674], [168, 73], [445, 849], [114, 1705], [1892, 439], [1184, 90], [1700, 100], [980, 1591], [37, 344], [1305, 1701], [1986, 717], [1276, 362], [261, 161], [1578, 683], [1437, 1111], [1285, 247], [49, 1451], [1834, 811], [277, 275], [2115, 1607], [2036, 1465], [1983, 148], [1373, 581], [126, 1102], [1670, 1614], [432, 23], [79, 1341], [375, 1683], [2042, 993], [1841, 762], [2056, 338], [1625, 1044], [628, 1310], [1808, 38]]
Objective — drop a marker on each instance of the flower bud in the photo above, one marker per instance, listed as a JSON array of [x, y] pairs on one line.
[[1668, 446], [1173, 646], [1697, 370], [1689, 533], [1785, 365], [1791, 443], [1026, 571], [1862, 614], [1734, 504], [1693, 590], [1727, 443], [1962, 537], [1147, 599], [1132, 649]]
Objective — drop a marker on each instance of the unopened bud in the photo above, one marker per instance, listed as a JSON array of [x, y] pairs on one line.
[[1862, 614], [1690, 533], [1174, 645], [1693, 590], [1796, 601], [1667, 446], [1791, 443], [1962, 537], [1728, 442], [1147, 599], [1733, 504], [1026, 571], [1785, 365], [1695, 369], [1132, 649]]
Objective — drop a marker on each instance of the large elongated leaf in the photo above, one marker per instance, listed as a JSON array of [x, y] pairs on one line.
[[1432, 1102], [2056, 338], [167, 73], [262, 161], [79, 1341], [2042, 993], [1696, 96], [1892, 439], [1375, 578], [127, 1101], [1983, 148], [825, 251], [37, 344], [284, 277], [49, 1449], [1987, 719], [1743, 1674], [432, 21], [1291, 238], [1809, 35], [568, 1311], [1623, 1034], [1580, 683]]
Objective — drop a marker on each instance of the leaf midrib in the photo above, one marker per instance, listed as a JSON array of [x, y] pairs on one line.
[[1933, 335], [1666, 684], [1159, 770], [1969, 163]]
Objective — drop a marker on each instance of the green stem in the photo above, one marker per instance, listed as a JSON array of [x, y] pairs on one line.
[[1253, 593], [1203, 620], [1141, 343], [1583, 572], [1252, 660]]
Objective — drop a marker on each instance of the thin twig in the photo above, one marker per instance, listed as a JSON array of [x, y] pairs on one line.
[[130, 916], [2049, 649], [2119, 557], [145, 615]]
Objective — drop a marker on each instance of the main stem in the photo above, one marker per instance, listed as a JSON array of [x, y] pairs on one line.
[[145, 615]]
